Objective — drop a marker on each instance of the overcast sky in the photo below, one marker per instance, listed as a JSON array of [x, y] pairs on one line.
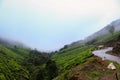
[[50, 24]]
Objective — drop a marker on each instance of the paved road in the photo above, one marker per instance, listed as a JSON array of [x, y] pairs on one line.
[[102, 53]]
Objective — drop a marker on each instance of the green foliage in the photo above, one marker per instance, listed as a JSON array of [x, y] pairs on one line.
[[69, 58], [18, 63], [66, 61], [23, 52], [8, 53], [10, 67], [45, 72], [94, 74], [38, 73], [21, 64], [36, 58], [51, 69], [2, 77], [65, 46], [64, 76]]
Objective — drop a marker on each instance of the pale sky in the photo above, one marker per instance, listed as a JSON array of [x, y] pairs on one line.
[[50, 24]]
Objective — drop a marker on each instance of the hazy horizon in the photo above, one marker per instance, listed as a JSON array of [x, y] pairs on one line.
[[50, 24]]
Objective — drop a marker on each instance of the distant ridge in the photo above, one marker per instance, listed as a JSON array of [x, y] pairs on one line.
[[7, 42], [99, 34]]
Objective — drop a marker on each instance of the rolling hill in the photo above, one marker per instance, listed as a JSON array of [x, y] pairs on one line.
[[72, 62], [76, 62], [20, 63]]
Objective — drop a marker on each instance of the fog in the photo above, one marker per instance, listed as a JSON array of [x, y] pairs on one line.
[[50, 24]]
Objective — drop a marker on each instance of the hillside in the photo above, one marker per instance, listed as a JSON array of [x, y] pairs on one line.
[[10, 64], [78, 63], [17, 63], [73, 65], [72, 62], [99, 34]]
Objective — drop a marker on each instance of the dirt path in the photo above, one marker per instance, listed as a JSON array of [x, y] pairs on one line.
[[102, 53]]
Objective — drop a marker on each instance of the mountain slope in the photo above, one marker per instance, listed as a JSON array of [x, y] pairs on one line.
[[99, 34], [67, 59], [72, 62], [10, 65], [18, 63], [70, 59], [77, 63]]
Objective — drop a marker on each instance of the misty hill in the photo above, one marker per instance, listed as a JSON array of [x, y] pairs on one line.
[[99, 34], [72, 62], [19, 63], [76, 63], [8, 42]]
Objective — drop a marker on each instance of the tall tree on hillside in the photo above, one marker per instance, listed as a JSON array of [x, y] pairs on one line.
[[51, 69], [112, 29]]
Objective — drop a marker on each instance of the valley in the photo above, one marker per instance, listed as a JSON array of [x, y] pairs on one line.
[[80, 60]]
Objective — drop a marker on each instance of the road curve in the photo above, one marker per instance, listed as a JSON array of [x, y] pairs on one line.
[[102, 53]]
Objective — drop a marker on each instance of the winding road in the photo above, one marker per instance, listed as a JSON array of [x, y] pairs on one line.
[[102, 53]]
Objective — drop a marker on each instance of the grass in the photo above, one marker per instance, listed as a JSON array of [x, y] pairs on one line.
[[64, 76], [83, 66], [20, 51], [10, 67], [66, 61], [71, 58]]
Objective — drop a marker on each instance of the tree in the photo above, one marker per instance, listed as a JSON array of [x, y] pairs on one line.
[[40, 75], [37, 58], [15, 46], [51, 69], [112, 29], [65, 46]]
